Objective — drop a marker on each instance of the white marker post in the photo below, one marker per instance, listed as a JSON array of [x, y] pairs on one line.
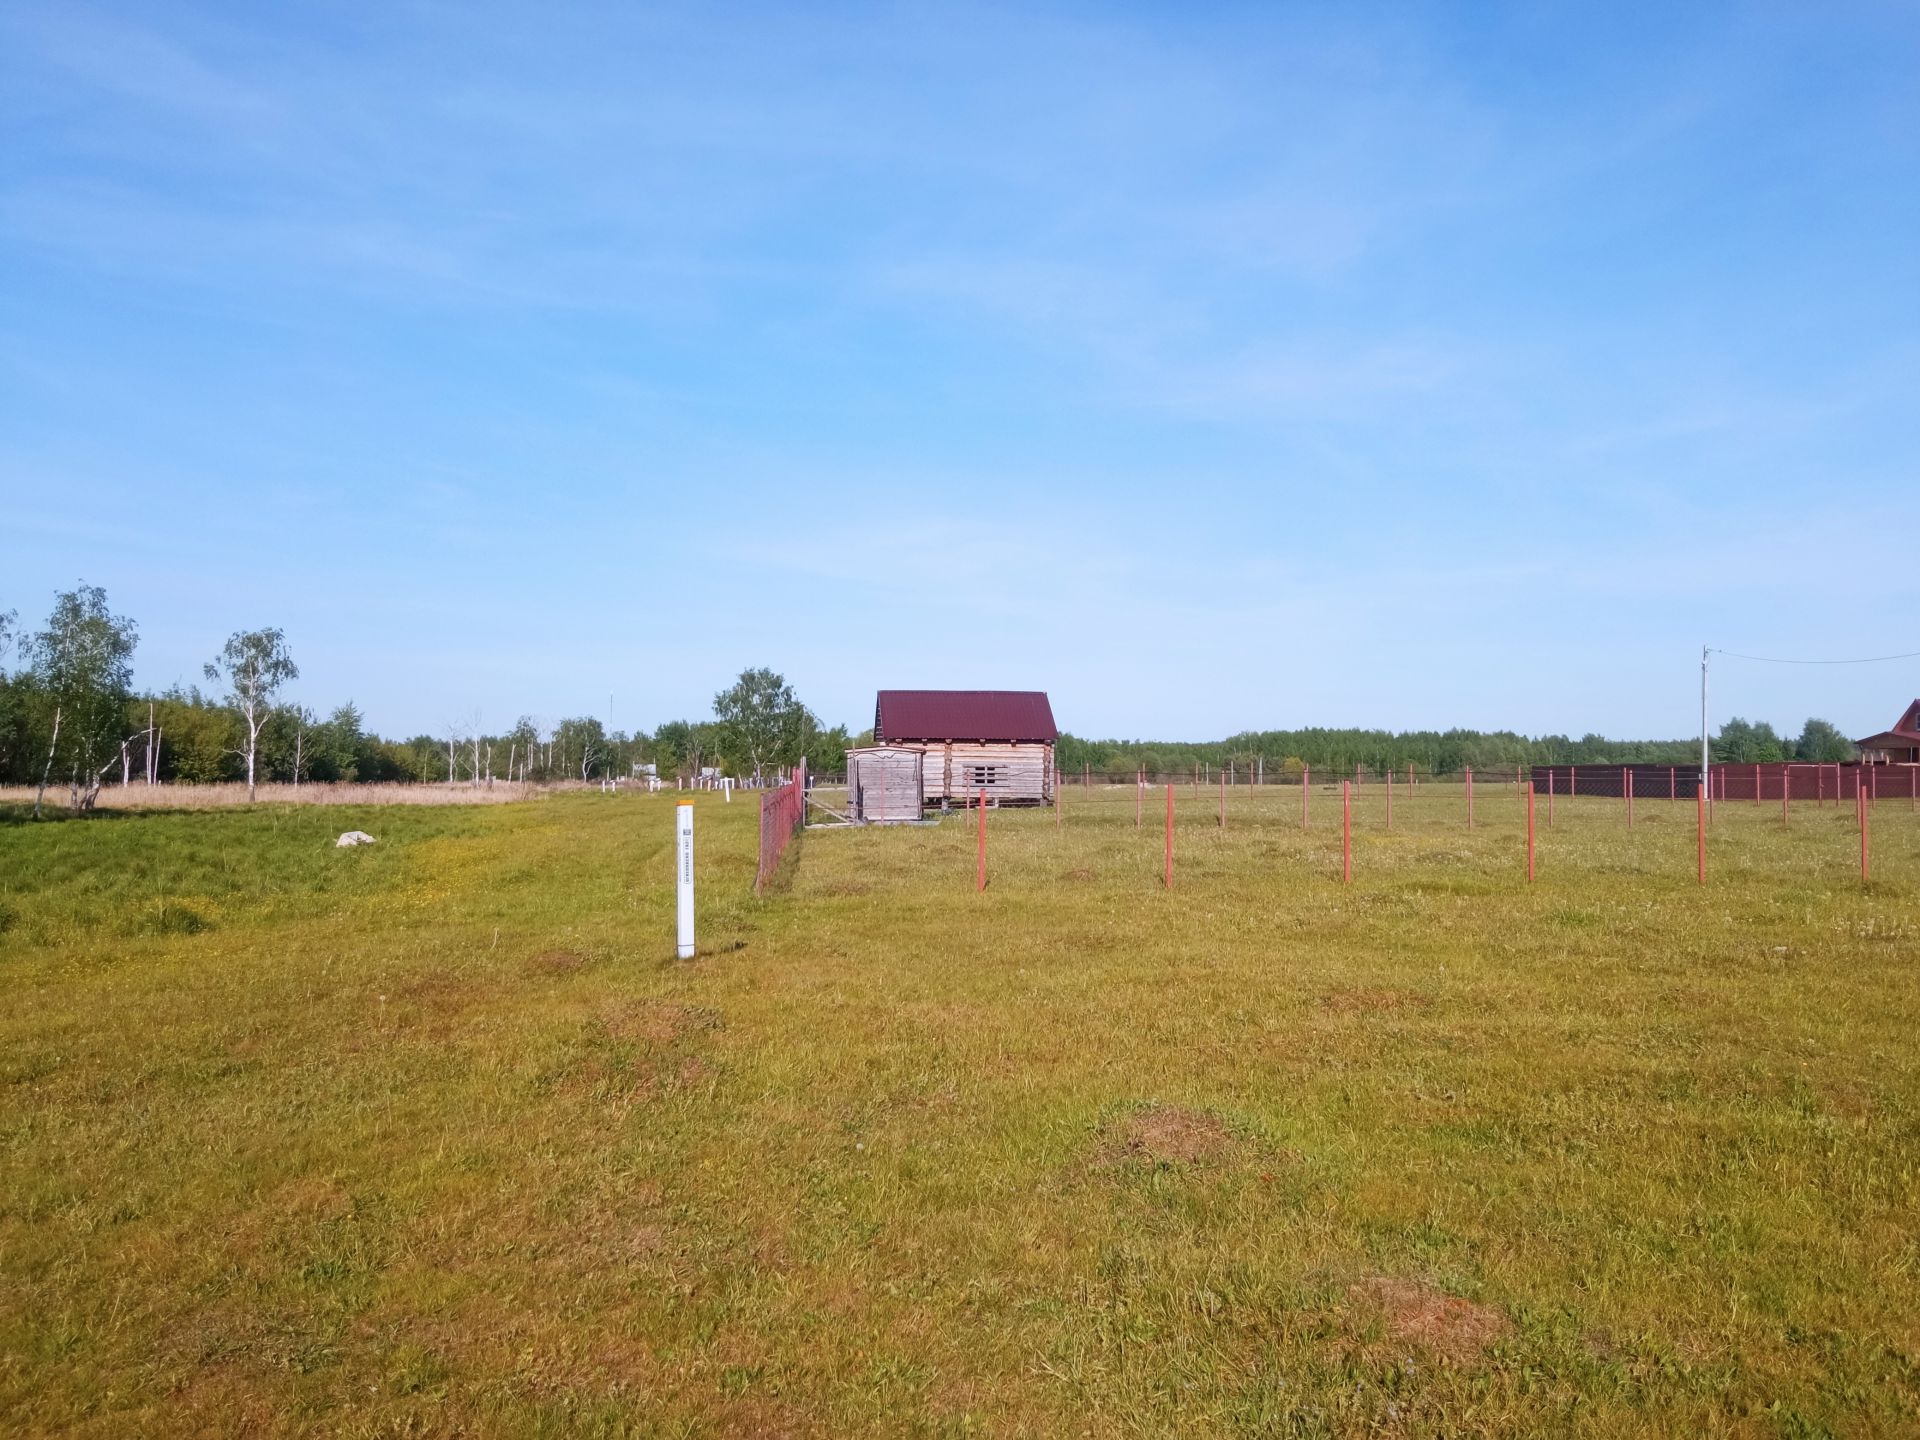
[[684, 826]]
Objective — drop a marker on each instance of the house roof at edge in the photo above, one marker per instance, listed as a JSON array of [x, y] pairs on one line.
[[1906, 731]]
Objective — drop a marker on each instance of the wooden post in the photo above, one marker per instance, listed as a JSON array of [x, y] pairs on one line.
[[1529, 832], [1626, 791], [1389, 797], [1786, 789], [1673, 784], [1346, 832], [1549, 797], [1223, 799], [1306, 787], [980, 865], [1756, 782], [1167, 877], [1139, 793], [1469, 797]]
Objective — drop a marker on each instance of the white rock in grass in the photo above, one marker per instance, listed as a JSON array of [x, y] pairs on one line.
[[353, 837]]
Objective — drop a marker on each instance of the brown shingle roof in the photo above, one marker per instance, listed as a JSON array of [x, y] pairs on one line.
[[1009, 715]]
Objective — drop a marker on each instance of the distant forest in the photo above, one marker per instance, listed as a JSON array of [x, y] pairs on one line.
[[1337, 751], [71, 721]]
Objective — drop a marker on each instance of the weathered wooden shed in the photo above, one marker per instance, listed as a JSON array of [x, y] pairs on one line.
[[884, 784], [999, 741]]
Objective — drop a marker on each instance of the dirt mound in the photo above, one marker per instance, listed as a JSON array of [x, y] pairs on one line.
[[1170, 1135], [1420, 1314]]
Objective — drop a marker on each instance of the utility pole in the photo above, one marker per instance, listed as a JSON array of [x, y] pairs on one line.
[[1703, 714]]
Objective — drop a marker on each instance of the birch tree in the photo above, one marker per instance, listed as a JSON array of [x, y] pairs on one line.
[[82, 667], [253, 666], [759, 717]]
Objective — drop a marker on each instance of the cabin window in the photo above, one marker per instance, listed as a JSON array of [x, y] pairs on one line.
[[984, 775]]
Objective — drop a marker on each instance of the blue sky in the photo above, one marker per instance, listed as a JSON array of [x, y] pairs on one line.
[[1210, 367]]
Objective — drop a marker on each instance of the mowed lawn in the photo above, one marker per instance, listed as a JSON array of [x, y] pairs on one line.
[[437, 1138]]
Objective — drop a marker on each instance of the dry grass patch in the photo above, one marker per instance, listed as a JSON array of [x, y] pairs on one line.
[[1372, 1000], [556, 962], [1169, 1135], [1416, 1313], [656, 1022]]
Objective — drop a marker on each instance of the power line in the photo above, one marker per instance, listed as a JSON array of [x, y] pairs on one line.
[[1773, 660]]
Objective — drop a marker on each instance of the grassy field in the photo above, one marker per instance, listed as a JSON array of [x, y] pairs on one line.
[[434, 1137]]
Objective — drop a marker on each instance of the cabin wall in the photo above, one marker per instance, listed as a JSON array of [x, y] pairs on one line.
[[958, 770]]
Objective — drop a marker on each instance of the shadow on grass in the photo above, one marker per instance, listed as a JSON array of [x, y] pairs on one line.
[[56, 810]]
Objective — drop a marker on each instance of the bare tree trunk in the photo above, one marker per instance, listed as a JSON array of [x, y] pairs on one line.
[[47, 770], [157, 734], [253, 749]]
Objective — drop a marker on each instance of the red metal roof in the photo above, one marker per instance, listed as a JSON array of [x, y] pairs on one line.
[[1012, 715]]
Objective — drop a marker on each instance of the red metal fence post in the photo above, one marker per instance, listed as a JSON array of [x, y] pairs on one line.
[[1529, 832], [980, 865], [1346, 832], [1860, 802], [1167, 877]]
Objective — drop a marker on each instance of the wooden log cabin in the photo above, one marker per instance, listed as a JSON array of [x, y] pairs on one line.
[[999, 741]]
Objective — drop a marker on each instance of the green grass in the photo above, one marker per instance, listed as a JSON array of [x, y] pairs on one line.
[[435, 1137]]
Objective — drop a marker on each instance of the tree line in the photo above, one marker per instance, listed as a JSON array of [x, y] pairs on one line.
[[1339, 751], [71, 720]]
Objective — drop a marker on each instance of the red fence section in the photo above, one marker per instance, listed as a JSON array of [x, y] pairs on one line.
[[1790, 780], [782, 812]]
